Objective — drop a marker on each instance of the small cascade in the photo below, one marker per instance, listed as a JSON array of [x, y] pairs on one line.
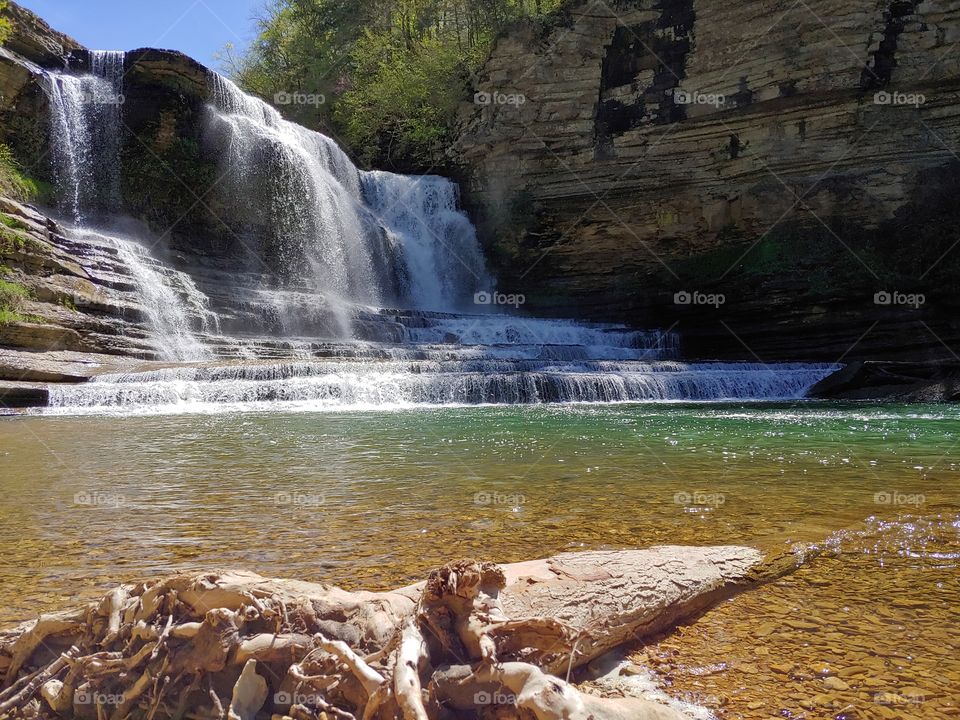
[[442, 261], [363, 385], [170, 300], [85, 136], [108, 66]]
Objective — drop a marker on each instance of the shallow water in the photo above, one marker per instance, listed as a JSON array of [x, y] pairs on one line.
[[868, 631], [374, 499]]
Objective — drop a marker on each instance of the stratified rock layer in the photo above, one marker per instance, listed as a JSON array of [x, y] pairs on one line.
[[795, 158]]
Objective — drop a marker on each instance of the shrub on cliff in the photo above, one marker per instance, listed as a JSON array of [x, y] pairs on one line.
[[5, 26]]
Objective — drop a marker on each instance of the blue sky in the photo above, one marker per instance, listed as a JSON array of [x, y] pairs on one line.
[[196, 27]]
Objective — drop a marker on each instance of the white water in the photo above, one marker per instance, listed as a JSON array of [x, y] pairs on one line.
[[438, 243], [343, 244], [371, 238], [168, 298], [86, 125], [386, 385]]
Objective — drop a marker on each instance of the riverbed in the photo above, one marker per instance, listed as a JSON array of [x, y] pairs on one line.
[[374, 499]]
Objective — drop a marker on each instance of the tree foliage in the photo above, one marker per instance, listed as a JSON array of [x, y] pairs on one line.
[[391, 72], [6, 26]]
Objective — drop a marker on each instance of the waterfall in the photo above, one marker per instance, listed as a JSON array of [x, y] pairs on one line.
[[85, 129], [368, 299], [366, 237], [170, 300], [362, 385], [438, 244], [85, 136]]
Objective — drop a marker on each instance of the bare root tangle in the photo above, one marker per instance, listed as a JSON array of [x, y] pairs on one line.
[[475, 640]]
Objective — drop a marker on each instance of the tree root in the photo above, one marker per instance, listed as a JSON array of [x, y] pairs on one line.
[[475, 640]]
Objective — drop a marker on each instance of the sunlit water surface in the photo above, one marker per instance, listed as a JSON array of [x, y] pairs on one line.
[[374, 499]]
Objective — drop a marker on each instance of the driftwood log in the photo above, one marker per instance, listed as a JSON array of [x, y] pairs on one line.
[[475, 640]]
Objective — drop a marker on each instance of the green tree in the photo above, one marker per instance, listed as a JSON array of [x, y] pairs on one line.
[[393, 72], [5, 25]]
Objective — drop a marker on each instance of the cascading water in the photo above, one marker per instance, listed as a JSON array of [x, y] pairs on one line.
[[341, 245], [343, 385], [85, 135], [440, 252], [367, 237], [86, 128], [170, 300]]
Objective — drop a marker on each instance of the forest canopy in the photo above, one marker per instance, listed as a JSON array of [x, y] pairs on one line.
[[384, 77]]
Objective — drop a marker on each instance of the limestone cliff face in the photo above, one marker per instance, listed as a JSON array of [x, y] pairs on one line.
[[735, 149]]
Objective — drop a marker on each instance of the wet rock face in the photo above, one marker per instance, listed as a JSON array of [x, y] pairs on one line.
[[795, 161]]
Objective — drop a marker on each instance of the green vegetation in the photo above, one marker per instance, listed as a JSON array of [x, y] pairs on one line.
[[385, 77], [14, 183], [155, 181], [12, 222], [5, 27], [12, 242], [12, 296]]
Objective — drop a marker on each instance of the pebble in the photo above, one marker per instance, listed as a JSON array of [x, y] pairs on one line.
[[835, 683]]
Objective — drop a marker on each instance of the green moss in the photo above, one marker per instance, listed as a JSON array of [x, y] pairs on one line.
[[12, 296], [156, 182], [13, 242], [12, 222], [9, 316], [11, 292], [16, 184]]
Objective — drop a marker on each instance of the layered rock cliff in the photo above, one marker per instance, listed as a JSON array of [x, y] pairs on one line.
[[777, 179]]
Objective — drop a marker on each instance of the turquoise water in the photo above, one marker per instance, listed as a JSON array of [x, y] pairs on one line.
[[375, 499]]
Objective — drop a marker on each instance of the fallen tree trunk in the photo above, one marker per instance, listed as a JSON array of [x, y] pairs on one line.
[[475, 640]]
